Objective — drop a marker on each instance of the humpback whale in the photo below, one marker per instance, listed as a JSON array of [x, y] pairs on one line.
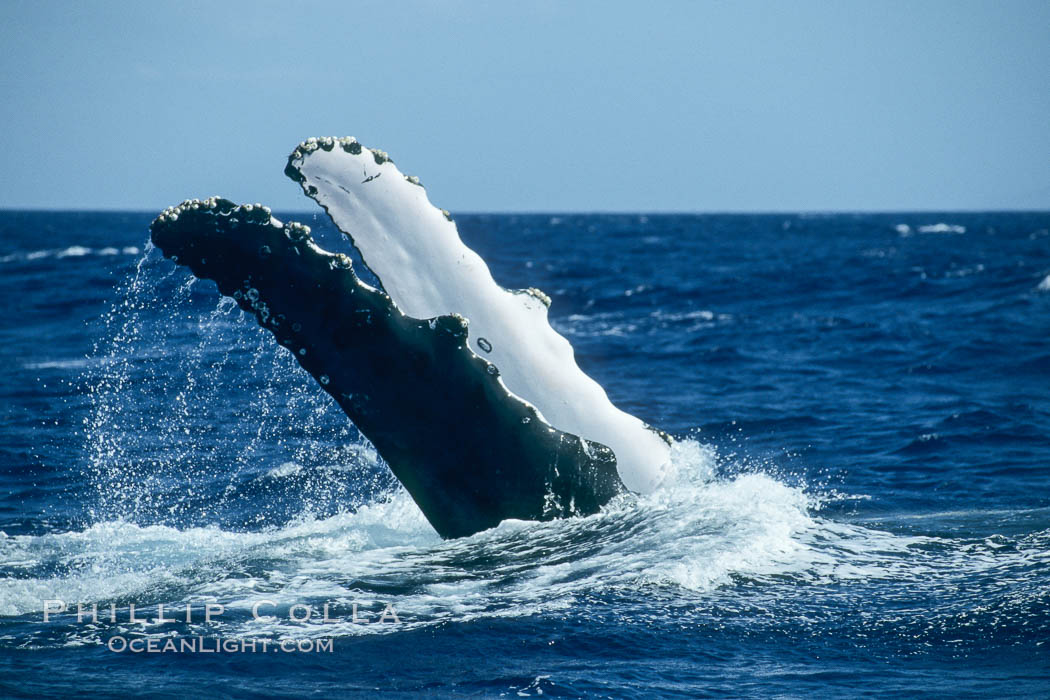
[[469, 395]]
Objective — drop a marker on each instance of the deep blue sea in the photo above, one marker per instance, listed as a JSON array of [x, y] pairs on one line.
[[859, 505]]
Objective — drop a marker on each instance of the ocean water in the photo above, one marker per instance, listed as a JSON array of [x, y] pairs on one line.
[[859, 503]]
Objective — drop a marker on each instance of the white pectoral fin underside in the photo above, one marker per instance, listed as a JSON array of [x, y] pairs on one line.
[[414, 248]]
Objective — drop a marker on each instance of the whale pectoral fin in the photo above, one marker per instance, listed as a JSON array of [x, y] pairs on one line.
[[469, 452], [415, 249]]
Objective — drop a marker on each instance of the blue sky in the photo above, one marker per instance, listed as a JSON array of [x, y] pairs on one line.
[[534, 106]]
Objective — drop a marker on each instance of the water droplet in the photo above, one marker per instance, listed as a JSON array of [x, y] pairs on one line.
[[323, 379], [484, 345], [264, 251]]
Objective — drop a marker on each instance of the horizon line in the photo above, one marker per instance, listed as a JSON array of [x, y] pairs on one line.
[[593, 212]]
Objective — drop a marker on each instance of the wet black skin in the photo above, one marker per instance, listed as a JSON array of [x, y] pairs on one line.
[[469, 453]]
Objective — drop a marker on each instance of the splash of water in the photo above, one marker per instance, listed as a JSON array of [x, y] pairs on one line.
[[166, 443]]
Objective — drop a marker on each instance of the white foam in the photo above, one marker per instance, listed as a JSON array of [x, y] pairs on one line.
[[427, 270], [700, 534], [72, 363], [285, 469], [942, 228], [119, 559], [73, 251], [1044, 286]]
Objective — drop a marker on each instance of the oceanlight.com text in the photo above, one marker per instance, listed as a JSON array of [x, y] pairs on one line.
[[206, 645]]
